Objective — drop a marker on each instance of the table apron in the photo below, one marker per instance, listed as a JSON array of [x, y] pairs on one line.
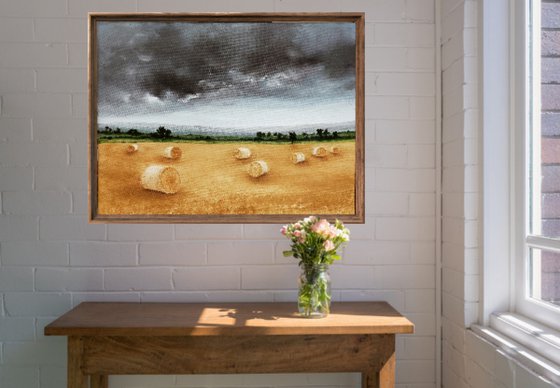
[[113, 355]]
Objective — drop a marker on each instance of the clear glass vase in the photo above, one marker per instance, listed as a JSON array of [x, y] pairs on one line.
[[314, 297]]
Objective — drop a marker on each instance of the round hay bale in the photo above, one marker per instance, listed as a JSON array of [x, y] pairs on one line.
[[257, 168], [298, 157], [164, 179], [319, 152], [242, 153], [131, 148], [335, 150], [172, 152]]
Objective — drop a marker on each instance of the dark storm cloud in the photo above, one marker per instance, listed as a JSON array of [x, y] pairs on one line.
[[163, 66]]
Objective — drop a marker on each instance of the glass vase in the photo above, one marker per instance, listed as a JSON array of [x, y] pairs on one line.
[[314, 297]]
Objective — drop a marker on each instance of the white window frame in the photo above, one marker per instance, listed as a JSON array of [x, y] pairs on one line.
[[504, 122], [526, 67]]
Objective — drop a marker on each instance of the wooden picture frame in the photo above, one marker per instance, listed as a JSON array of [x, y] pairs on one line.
[[216, 117]]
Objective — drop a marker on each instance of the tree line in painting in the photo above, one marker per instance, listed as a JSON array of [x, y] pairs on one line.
[[162, 134]]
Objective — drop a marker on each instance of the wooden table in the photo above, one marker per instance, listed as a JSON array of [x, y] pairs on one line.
[[175, 338]]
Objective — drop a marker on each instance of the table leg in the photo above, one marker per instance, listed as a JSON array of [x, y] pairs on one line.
[[76, 378], [99, 381], [383, 378]]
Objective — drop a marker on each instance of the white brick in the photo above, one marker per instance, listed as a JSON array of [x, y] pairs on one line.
[[379, 10], [385, 155], [415, 371], [422, 108], [60, 178], [422, 204], [405, 132], [65, 279], [420, 301], [33, 8], [18, 228], [79, 105], [175, 253], [138, 279], [383, 58], [16, 279], [28, 55], [101, 254], [259, 231], [80, 8], [404, 35], [307, 6], [209, 232], [207, 278], [386, 107], [453, 230], [419, 348], [246, 252], [77, 55], [421, 156], [404, 276], [386, 203], [77, 154], [15, 377], [207, 6], [52, 376], [61, 30], [423, 10], [36, 304], [69, 228], [402, 180], [421, 59], [403, 84], [17, 329], [62, 80], [277, 277], [33, 154], [79, 297], [80, 203], [478, 377], [68, 130], [352, 276], [36, 202], [33, 253], [376, 252], [422, 252], [137, 232], [16, 178], [15, 130], [16, 80], [36, 105], [424, 324], [15, 30], [362, 231], [35, 353]]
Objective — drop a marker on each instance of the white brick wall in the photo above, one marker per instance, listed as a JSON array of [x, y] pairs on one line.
[[51, 259]]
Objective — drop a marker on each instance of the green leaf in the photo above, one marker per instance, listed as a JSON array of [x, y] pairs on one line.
[[287, 253]]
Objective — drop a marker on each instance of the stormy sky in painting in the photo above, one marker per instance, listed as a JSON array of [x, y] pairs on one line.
[[236, 75]]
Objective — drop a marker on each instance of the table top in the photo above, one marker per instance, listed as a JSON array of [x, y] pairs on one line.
[[225, 319]]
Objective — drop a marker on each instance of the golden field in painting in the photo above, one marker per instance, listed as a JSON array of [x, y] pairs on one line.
[[214, 182]]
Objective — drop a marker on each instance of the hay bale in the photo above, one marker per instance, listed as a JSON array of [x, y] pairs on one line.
[[334, 150], [319, 152], [131, 148], [298, 157], [242, 153], [257, 168], [172, 152], [164, 179]]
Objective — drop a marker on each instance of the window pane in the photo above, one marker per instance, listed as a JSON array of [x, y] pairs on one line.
[[550, 123], [545, 276]]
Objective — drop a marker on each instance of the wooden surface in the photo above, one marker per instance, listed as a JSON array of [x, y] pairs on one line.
[[226, 319]]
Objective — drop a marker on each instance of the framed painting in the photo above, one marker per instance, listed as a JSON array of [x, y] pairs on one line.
[[226, 118]]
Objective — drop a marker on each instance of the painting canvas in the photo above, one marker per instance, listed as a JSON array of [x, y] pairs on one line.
[[226, 118]]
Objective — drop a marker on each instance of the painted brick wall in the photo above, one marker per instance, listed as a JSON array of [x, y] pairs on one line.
[[51, 258]]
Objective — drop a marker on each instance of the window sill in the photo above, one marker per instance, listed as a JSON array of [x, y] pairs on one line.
[[534, 346]]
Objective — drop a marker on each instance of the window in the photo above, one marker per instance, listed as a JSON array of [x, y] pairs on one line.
[[537, 208]]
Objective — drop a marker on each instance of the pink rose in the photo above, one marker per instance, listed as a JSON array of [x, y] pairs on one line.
[[328, 245], [283, 230]]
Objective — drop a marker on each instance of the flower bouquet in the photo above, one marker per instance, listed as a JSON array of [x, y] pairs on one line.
[[314, 244]]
